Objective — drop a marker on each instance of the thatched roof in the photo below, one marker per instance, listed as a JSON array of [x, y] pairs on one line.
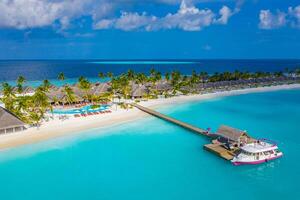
[[230, 133], [28, 89], [100, 88], [77, 91], [9, 120], [53, 93], [53, 87], [138, 90], [163, 86], [60, 94]]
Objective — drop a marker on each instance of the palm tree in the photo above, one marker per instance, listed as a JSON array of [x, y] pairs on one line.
[[130, 74], [152, 71], [69, 94], [40, 104], [61, 76], [81, 78], [46, 85], [167, 76], [203, 76], [176, 81], [110, 75], [8, 96], [193, 79], [84, 85], [22, 107], [141, 78], [20, 81], [101, 75]]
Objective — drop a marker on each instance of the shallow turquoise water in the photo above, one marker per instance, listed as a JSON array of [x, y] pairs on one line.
[[152, 159]]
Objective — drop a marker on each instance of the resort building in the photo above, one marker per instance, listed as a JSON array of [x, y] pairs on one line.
[[138, 91], [100, 88], [9, 123], [232, 136]]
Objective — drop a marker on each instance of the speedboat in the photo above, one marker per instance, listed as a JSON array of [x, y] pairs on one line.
[[257, 152]]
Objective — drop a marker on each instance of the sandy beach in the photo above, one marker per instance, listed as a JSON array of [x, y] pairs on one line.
[[57, 128]]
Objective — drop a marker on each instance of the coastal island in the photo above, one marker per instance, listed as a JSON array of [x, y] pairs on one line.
[[36, 114]]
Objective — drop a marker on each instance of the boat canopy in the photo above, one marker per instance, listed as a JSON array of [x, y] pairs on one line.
[[258, 147]]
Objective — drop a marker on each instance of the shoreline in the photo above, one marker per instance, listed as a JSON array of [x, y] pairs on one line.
[[73, 126]]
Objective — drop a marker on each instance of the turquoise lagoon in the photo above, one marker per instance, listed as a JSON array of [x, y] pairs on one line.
[[152, 159]]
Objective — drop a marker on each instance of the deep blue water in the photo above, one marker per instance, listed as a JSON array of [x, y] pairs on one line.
[[152, 159], [49, 69]]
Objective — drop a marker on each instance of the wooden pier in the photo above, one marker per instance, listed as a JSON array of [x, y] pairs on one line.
[[217, 149], [172, 120]]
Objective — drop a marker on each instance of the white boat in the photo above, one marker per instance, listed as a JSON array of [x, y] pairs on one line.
[[257, 152]]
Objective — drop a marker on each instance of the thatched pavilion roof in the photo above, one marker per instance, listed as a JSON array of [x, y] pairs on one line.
[[230, 133], [28, 89], [60, 94], [9, 120], [163, 86], [138, 90], [77, 91], [100, 88]]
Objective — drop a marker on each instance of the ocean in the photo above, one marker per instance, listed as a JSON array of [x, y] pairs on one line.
[[152, 159], [37, 70]]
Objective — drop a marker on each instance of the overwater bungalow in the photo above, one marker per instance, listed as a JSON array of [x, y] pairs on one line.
[[10, 123]]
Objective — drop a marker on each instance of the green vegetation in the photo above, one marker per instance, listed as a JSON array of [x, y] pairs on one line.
[[32, 109]]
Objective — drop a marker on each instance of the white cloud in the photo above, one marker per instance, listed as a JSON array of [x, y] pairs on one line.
[[269, 20], [60, 14], [22, 14], [294, 13], [188, 18], [132, 21], [104, 24], [225, 14]]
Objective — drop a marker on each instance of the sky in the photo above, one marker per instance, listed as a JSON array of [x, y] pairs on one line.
[[149, 29]]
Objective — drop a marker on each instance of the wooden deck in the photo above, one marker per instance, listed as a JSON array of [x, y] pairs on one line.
[[172, 120], [220, 151]]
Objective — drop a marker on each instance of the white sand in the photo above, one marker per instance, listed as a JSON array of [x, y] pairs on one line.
[[56, 128]]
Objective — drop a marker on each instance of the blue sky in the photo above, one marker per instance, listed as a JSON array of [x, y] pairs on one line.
[[149, 29]]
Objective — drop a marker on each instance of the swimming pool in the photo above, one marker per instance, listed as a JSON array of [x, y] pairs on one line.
[[85, 109]]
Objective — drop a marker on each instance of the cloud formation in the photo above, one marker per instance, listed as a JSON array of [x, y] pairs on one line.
[[187, 18], [269, 20], [60, 14], [22, 14]]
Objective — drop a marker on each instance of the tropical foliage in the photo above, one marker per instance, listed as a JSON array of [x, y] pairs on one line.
[[32, 109]]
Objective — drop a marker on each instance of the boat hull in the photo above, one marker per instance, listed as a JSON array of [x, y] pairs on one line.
[[255, 162]]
